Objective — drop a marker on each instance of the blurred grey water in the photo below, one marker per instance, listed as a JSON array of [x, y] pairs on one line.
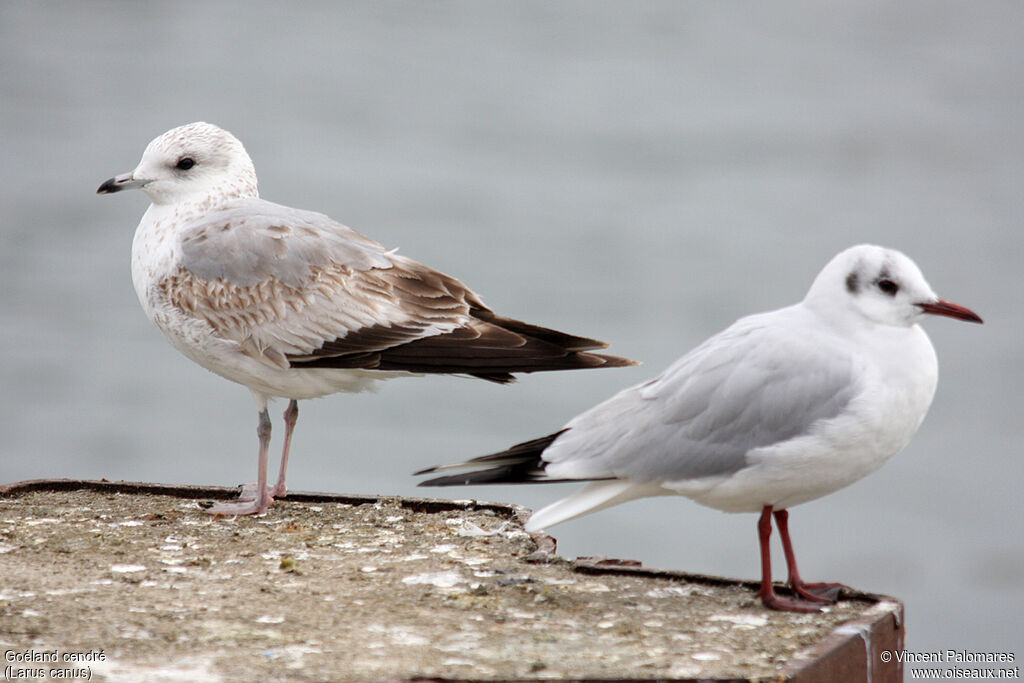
[[643, 173]]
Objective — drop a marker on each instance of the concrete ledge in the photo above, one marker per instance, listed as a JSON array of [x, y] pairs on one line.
[[132, 582]]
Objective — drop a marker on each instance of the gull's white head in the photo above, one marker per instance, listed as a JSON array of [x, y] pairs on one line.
[[880, 285], [190, 163]]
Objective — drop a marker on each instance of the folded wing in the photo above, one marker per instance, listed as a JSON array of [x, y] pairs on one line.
[[295, 289]]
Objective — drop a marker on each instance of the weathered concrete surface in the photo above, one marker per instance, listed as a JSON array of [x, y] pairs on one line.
[[369, 590]]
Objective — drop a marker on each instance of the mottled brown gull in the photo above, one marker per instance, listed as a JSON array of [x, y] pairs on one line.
[[295, 305]]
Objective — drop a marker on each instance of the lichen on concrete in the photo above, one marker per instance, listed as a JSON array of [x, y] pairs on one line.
[[356, 592]]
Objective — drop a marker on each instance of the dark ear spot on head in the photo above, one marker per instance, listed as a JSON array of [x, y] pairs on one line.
[[852, 282]]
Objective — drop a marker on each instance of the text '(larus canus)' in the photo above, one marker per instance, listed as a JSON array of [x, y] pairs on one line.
[[777, 410], [293, 304]]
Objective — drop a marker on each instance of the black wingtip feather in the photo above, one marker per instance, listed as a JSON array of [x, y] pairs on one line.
[[494, 475], [520, 464], [491, 348]]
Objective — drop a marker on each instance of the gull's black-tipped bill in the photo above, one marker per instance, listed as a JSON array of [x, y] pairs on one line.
[[120, 182]]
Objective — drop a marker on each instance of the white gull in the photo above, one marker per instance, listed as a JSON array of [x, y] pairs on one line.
[[777, 410], [293, 304]]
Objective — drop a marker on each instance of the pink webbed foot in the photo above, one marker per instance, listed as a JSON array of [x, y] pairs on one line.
[[252, 500], [247, 503], [273, 492], [251, 507], [249, 492]]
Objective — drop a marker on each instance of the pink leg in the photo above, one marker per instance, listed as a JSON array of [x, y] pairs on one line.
[[291, 415], [767, 593], [815, 592], [261, 498]]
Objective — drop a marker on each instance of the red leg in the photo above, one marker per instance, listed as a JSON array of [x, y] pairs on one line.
[[767, 593], [815, 592]]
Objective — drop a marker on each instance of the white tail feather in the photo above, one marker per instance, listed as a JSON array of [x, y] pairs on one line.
[[596, 495]]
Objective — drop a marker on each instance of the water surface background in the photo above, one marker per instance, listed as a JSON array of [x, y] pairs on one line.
[[644, 173]]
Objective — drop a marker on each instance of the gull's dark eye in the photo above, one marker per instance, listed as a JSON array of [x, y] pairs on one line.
[[889, 287], [185, 163]]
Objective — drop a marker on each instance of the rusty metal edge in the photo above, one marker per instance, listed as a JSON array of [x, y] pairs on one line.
[[838, 652], [852, 651]]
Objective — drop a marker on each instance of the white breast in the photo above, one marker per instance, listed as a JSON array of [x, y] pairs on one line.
[[156, 252], [898, 379]]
